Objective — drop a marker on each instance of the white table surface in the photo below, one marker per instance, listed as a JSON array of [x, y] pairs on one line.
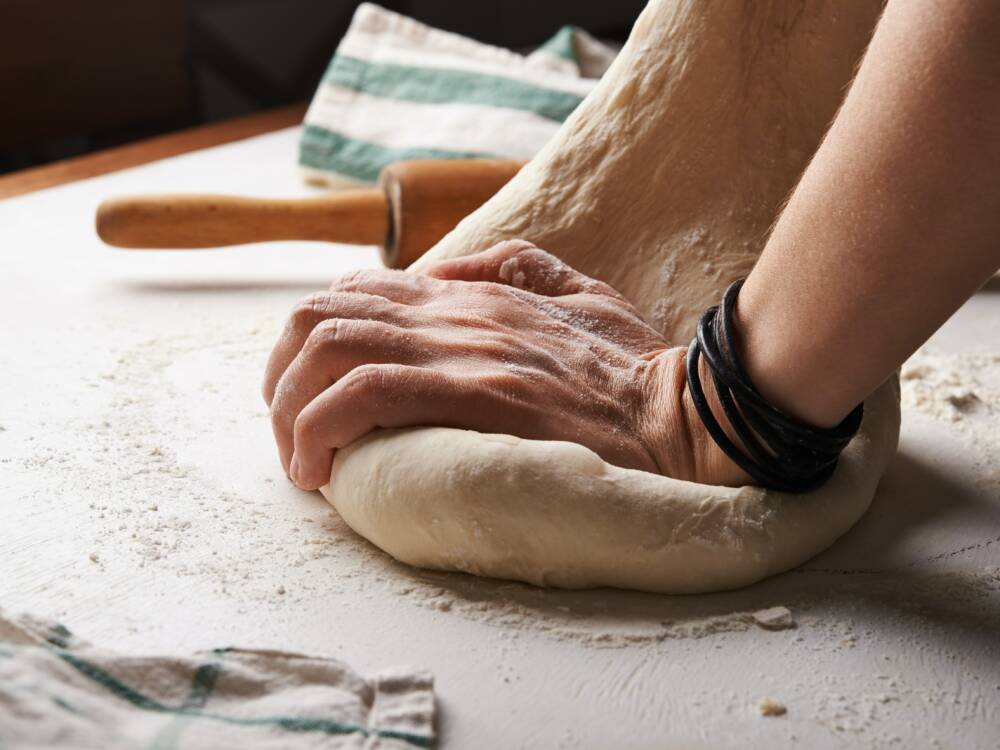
[[142, 504]]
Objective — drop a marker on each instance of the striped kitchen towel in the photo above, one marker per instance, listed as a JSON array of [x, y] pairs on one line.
[[397, 89], [57, 691]]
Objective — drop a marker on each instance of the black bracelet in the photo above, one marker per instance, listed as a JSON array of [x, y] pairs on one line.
[[781, 453]]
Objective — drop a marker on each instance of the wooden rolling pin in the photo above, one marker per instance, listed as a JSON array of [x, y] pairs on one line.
[[415, 205]]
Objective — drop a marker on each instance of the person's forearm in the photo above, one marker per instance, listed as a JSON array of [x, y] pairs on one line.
[[895, 222]]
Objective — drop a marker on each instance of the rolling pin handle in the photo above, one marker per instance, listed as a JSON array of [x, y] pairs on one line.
[[357, 217], [428, 198]]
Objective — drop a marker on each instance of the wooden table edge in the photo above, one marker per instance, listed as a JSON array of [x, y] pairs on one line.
[[148, 150]]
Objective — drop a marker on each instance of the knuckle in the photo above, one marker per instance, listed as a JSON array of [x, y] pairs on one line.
[[499, 303], [533, 255], [281, 420], [514, 247], [551, 271], [310, 310], [352, 280], [335, 335], [305, 428], [283, 393], [496, 291], [542, 257], [330, 333], [370, 379], [519, 383]]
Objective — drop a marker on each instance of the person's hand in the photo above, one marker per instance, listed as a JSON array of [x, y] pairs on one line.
[[509, 340]]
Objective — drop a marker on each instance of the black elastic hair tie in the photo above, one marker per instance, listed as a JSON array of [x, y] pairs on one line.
[[779, 452]]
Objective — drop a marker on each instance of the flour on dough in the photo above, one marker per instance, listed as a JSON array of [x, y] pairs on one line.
[[663, 183]]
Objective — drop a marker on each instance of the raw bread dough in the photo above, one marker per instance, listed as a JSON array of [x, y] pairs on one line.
[[662, 183], [666, 179], [554, 514]]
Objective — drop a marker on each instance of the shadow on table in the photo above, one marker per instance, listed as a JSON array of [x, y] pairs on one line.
[[871, 569], [912, 494]]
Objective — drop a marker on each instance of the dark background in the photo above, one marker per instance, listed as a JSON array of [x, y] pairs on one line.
[[81, 75]]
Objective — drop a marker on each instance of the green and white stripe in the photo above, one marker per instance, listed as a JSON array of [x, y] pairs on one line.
[[56, 690], [397, 89]]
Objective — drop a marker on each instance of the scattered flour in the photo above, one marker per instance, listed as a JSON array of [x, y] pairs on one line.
[[963, 392], [962, 389], [153, 504]]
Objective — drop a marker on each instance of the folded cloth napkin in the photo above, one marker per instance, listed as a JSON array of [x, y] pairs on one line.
[[58, 691], [397, 89]]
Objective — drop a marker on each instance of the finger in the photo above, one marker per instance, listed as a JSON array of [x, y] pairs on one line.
[[369, 397], [312, 311], [481, 266], [398, 286], [540, 272], [334, 348], [373, 396], [520, 264]]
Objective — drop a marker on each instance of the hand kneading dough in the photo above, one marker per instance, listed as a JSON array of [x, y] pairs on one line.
[[663, 183]]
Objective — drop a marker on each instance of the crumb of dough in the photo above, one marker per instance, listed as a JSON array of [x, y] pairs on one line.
[[769, 707], [774, 618], [965, 401]]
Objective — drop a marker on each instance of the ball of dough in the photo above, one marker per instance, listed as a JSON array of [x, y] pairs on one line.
[[553, 513]]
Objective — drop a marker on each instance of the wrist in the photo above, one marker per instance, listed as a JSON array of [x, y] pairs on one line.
[[678, 440]]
